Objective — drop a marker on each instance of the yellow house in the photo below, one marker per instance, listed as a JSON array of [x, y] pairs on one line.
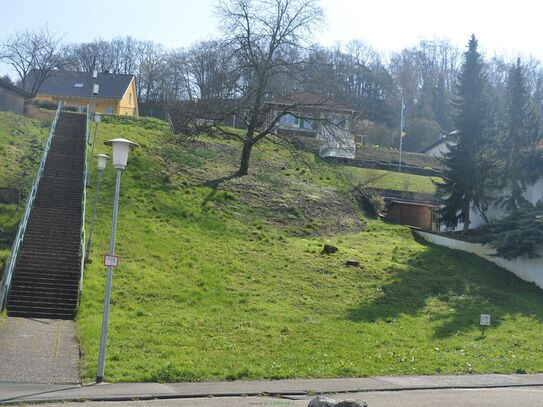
[[116, 92]]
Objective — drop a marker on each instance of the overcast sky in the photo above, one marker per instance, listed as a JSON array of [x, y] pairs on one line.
[[504, 27]]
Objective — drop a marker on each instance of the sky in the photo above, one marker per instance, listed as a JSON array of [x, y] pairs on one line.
[[504, 27]]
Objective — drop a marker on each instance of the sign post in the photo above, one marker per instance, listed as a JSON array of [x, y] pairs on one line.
[[484, 322]]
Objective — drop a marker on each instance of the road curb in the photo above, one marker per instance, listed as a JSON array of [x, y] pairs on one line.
[[15, 393]]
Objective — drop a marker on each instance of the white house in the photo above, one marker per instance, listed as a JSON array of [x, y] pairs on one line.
[[313, 115], [441, 146]]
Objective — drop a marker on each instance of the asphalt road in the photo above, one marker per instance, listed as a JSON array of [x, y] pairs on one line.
[[511, 397]]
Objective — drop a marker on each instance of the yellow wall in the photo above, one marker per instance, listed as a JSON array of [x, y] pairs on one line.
[[127, 106], [129, 103]]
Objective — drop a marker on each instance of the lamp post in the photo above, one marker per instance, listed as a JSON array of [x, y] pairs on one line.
[[120, 148], [102, 160], [94, 90], [97, 119]]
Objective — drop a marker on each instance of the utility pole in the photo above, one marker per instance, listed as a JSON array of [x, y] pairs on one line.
[[402, 132]]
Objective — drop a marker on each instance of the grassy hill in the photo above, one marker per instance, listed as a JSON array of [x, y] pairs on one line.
[[21, 145], [224, 278], [392, 155], [393, 180]]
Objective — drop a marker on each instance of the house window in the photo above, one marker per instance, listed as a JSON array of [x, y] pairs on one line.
[[130, 98], [109, 109], [339, 121], [78, 85], [288, 120]]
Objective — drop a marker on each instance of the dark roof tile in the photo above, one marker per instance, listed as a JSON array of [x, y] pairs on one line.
[[6, 85], [61, 83]]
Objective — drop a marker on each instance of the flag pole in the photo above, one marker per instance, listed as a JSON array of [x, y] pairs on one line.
[[402, 133]]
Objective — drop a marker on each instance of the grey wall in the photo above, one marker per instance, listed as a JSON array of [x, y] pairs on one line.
[[11, 101]]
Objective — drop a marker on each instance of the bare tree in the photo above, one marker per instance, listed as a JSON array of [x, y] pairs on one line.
[[266, 36], [119, 55], [211, 68], [151, 70], [178, 78], [39, 52]]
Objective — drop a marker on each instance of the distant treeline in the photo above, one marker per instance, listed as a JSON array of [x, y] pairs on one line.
[[355, 74]]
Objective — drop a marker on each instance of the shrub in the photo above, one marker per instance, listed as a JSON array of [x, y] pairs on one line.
[[518, 234]]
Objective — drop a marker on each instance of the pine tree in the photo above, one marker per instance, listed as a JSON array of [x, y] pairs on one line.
[[467, 164], [520, 135]]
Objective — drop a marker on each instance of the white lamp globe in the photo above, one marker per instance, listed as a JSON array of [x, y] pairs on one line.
[[102, 161], [120, 147]]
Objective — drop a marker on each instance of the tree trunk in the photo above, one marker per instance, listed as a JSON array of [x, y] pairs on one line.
[[245, 157], [466, 218]]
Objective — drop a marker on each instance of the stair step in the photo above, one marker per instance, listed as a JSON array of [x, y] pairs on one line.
[[57, 239], [65, 252], [43, 283], [46, 277], [40, 228], [51, 306], [48, 247], [62, 215], [41, 267], [41, 314], [43, 303], [25, 273], [55, 214], [54, 237], [60, 254], [41, 291], [64, 173], [61, 258], [71, 239], [42, 295], [34, 242], [33, 269]]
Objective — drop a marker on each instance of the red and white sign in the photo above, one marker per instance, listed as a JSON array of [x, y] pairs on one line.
[[111, 261]]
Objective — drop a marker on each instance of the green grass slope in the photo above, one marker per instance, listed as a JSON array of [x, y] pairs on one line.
[[21, 146], [392, 155], [224, 278], [394, 180]]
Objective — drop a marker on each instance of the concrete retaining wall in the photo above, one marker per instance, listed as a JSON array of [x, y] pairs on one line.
[[530, 270]]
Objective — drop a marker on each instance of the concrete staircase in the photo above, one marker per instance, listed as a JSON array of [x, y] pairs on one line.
[[46, 279]]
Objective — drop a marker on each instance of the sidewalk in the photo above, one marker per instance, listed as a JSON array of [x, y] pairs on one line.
[[19, 392], [38, 351]]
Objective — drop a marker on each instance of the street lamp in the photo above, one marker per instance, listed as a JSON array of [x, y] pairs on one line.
[[102, 161], [120, 148], [97, 119], [95, 88]]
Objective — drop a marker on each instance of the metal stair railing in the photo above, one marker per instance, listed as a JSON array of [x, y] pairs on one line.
[[82, 236], [5, 283]]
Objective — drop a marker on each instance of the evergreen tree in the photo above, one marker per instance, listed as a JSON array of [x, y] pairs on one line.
[[467, 162], [520, 135]]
